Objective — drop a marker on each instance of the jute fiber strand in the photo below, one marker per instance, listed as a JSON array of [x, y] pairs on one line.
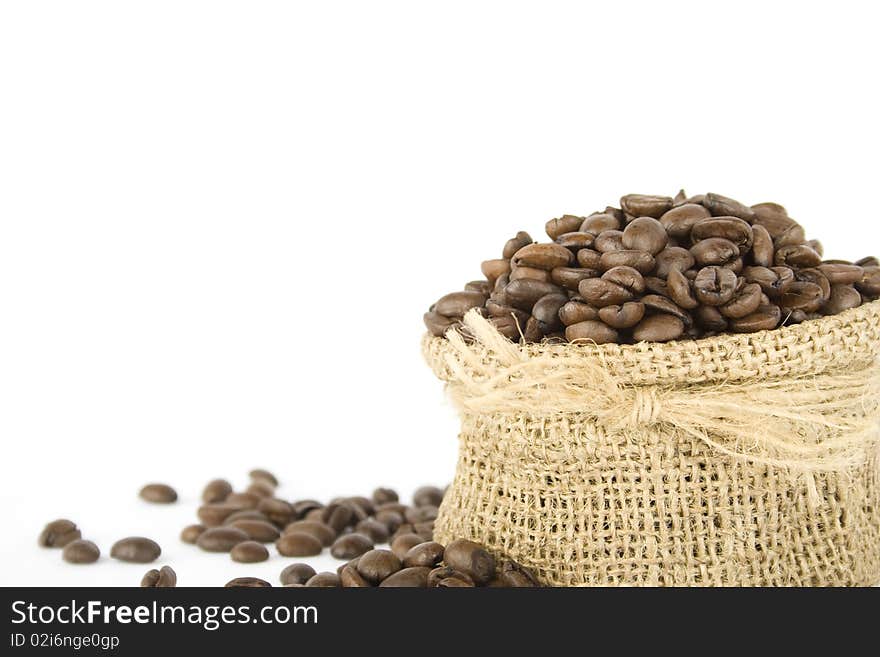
[[737, 460]]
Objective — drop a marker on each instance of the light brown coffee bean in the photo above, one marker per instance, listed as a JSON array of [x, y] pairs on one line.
[[350, 578], [245, 514], [249, 552], [416, 577], [298, 544], [217, 490], [262, 489], [679, 221], [158, 494], [59, 533], [457, 304], [522, 239], [622, 317], [376, 530], [598, 223], [645, 234], [297, 573], [426, 496], [567, 223], [482, 287], [722, 206], [495, 269], [216, 513], [81, 551], [383, 495], [542, 256], [349, 546], [278, 512], [574, 312], [163, 578], [258, 530], [190, 534], [658, 328], [261, 474], [645, 205], [221, 539], [641, 261], [591, 331], [136, 549], [243, 500], [471, 558]]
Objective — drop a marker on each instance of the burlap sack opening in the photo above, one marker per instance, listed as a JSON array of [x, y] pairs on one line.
[[738, 460]]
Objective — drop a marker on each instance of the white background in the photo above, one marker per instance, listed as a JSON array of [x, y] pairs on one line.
[[221, 222]]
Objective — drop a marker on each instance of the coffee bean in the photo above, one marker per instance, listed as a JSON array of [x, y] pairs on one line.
[[350, 578], [542, 256], [799, 255], [813, 275], [136, 549], [377, 565], [870, 261], [258, 530], [446, 576], [324, 580], [382, 495], [642, 261], [522, 239], [869, 284], [658, 328], [59, 533], [470, 558], [794, 236], [419, 514], [456, 304], [773, 218], [764, 319], [247, 583], [842, 274], [843, 297], [710, 318], [245, 514], [277, 511], [390, 518], [424, 554], [249, 552], [762, 247], [524, 292], [660, 304], [714, 286], [298, 544], [608, 241], [324, 533], [81, 551], [679, 221], [643, 205], [438, 324], [592, 331], [259, 474], [575, 241], [556, 227], [221, 539], [680, 290], [302, 507], [158, 494], [574, 312], [519, 273], [714, 251], [482, 287], [376, 530], [722, 206], [570, 277], [516, 576], [804, 296], [622, 317], [191, 533], [243, 500], [599, 293], [262, 489], [164, 578], [297, 573], [546, 312], [416, 577], [745, 303], [216, 490], [645, 234], [216, 513], [349, 546], [338, 516], [599, 223], [495, 269], [589, 259], [657, 286], [672, 257], [402, 543]]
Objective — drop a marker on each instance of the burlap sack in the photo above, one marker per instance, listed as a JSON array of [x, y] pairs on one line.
[[745, 460]]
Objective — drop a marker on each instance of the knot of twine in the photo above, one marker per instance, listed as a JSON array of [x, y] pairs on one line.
[[808, 424]]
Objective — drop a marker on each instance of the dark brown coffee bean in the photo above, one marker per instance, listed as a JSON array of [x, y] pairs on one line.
[[407, 578], [158, 494], [843, 297], [136, 549], [324, 533], [591, 331], [471, 558], [279, 512], [259, 474], [656, 286], [509, 327], [221, 539], [482, 287], [714, 251], [608, 241], [802, 295], [262, 489], [765, 318], [870, 261], [338, 516], [762, 247], [81, 551], [377, 565], [626, 277], [382, 495], [516, 576], [546, 312], [799, 255], [642, 261], [376, 530], [243, 500], [531, 273], [816, 245], [456, 304], [660, 304], [569, 277], [349, 546], [350, 578], [658, 328], [643, 205], [599, 223], [841, 274], [813, 275], [190, 534], [415, 515], [59, 533], [589, 259], [216, 513], [714, 286], [425, 530], [424, 554], [869, 284], [645, 234], [555, 227], [258, 530], [324, 580], [522, 239], [722, 206], [680, 290], [216, 490], [298, 544], [297, 573], [622, 317], [495, 269], [710, 318], [390, 519], [773, 218], [164, 578], [744, 303], [302, 507], [402, 543], [247, 583], [245, 514], [731, 229], [440, 577], [249, 552], [679, 221], [794, 236], [542, 256], [574, 312], [672, 257], [438, 324], [575, 241], [427, 496], [524, 293]]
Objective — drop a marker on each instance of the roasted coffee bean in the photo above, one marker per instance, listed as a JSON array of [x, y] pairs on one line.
[[608, 241], [570, 277], [257, 530], [680, 290], [456, 304], [259, 474], [221, 539], [773, 218], [470, 558], [658, 328], [416, 577], [841, 274], [869, 284], [402, 543], [522, 239], [427, 496], [531, 273], [350, 578], [516, 576], [324, 533], [382, 495], [425, 530], [277, 511], [642, 261], [324, 580], [599, 293], [243, 500], [679, 221], [249, 552], [424, 554], [390, 518], [714, 251], [247, 583], [660, 304], [297, 573], [302, 507], [799, 255], [575, 241], [722, 206], [349, 546], [542, 256], [574, 312], [656, 285], [870, 261], [495, 269], [524, 293], [298, 544], [589, 259], [813, 275], [190, 534], [802, 295], [377, 565], [672, 257], [546, 312], [645, 234], [710, 318], [136, 549], [556, 227], [794, 236], [643, 205], [592, 331], [338, 516], [415, 515], [59, 533], [377, 531], [262, 489], [245, 514], [626, 277], [81, 551], [714, 286], [440, 577], [745, 303], [765, 318], [163, 578], [438, 324], [216, 490], [843, 297], [622, 317], [158, 494], [599, 223], [482, 287], [509, 327], [762, 247], [216, 513]]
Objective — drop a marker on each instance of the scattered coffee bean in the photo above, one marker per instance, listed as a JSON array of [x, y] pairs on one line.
[[257, 530], [136, 549], [402, 543], [325, 534], [190, 534], [297, 573], [158, 494], [163, 578], [59, 533], [258, 474], [247, 583], [298, 544], [249, 552], [377, 565], [470, 558], [440, 578], [221, 539], [377, 531], [80, 551], [349, 546], [216, 491], [424, 554], [324, 580], [350, 578], [416, 577]]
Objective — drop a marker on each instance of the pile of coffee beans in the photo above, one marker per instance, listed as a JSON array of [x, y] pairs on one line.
[[659, 268], [242, 524]]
